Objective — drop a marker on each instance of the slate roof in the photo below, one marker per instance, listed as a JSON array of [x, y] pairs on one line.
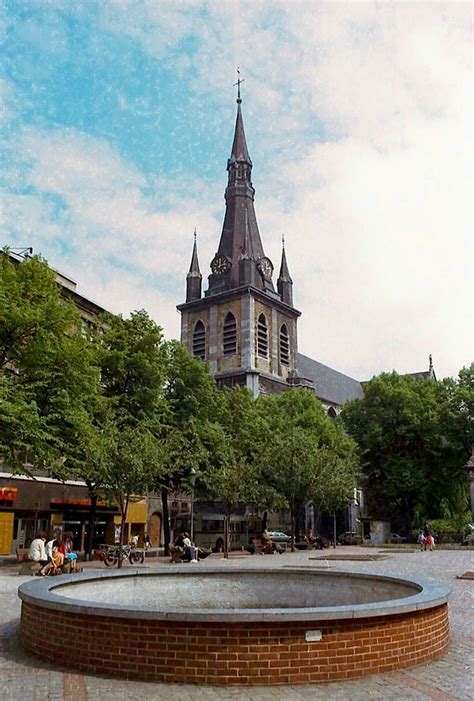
[[329, 385]]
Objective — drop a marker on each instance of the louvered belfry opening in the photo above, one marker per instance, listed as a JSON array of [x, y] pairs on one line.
[[199, 340], [229, 336], [262, 337], [284, 346]]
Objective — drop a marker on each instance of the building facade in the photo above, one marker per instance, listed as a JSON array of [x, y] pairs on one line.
[[244, 327]]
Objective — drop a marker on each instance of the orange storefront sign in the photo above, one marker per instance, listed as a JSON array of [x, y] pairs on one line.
[[76, 502], [8, 493]]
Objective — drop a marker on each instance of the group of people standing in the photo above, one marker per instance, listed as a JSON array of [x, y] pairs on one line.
[[425, 539], [53, 554]]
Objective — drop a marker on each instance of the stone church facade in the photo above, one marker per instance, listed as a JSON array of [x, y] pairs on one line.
[[244, 327]]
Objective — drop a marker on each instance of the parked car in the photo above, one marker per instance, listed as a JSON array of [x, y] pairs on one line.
[[395, 538], [279, 537], [350, 538]]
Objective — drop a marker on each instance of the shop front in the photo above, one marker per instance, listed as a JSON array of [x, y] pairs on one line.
[[32, 504]]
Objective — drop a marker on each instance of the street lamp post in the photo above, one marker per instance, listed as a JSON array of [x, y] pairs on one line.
[[192, 480]]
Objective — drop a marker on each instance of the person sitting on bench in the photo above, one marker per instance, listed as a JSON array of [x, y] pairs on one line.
[[37, 552], [66, 547], [57, 559], [190, 550]]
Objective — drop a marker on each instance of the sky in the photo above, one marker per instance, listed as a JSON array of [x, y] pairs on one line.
[[118, 118]]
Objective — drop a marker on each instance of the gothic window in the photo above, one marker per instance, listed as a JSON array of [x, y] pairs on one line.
[[284, 346], [262, 337], [229, 337], [332, 412], [199, 340]]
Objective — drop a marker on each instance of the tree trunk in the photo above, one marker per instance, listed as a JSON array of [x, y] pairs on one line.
[[123, 513], [406, 513], [226, 532], [166, 520], [292, 516], [264, 521], [92, 488], [226, 537], [334, 529]]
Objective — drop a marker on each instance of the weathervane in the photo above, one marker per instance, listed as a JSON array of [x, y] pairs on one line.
[[195, 235], [283, 240], [238, 83]]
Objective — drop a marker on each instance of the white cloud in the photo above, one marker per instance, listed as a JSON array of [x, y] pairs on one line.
[[359, 119], [126, 249]]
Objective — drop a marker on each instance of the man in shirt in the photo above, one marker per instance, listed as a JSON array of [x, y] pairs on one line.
[[37, 552]]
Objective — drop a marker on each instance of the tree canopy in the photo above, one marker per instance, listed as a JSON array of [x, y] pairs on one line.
[[307, 456], [415, 437], [48, 378]]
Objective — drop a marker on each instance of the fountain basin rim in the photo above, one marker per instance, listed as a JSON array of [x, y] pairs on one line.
[[41, 592]]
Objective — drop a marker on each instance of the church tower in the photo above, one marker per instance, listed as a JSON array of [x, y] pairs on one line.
[[242, 326]]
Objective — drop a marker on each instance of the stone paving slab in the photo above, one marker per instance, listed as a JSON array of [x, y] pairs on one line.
[[449, 678]]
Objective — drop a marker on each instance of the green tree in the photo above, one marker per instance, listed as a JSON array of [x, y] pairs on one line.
[[234, 473], [415, 436], [131, 467], [188, 434], [47, 375], [132, 358], [308, 457]]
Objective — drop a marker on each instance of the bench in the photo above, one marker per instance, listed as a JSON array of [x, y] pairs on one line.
[[263, 549], [26, 566], [176, 553], [31, 567]]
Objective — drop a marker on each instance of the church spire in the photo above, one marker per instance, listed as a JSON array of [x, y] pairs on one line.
[[240, 233], [194, 277], [285, 283], [240, 152]]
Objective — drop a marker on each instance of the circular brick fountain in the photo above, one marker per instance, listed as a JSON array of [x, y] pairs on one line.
[[216, 626]]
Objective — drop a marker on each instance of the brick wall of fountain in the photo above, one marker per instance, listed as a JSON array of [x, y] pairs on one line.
[[234, 653]]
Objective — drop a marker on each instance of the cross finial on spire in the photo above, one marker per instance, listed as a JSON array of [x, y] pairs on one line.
[[283, 240], [238, 83], [195, 235]]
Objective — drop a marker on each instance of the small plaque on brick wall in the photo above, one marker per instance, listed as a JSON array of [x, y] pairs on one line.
[[313, 636]]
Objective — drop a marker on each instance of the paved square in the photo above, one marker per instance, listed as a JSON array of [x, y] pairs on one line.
[[23, 678]]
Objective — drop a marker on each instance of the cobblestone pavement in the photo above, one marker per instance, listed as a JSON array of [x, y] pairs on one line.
[[449, 678]]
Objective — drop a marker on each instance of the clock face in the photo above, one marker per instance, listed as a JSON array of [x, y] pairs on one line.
[[220, 265], [266, 268]]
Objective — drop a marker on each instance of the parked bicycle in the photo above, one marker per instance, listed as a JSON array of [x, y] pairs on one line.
[[110, 555]]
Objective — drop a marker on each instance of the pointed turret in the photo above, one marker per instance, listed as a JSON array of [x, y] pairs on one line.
[[194, 277], [240, 239], [240, 152], [285, 283], [431, 372]]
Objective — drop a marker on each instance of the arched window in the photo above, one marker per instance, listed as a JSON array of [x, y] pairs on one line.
[[229, 336], [332, 412], [284, 346], [262, 337], [199, 340]]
